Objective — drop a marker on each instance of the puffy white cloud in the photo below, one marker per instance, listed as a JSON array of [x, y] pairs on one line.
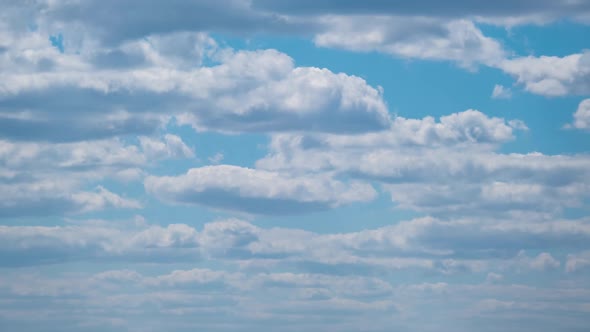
[[447, 168], [263, 91], [582, 116], [259, 91], [405, 143], [43, 178], [256, 191], [551, 75]]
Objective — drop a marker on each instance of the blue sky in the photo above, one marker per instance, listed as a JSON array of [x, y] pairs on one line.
[[254, 165]]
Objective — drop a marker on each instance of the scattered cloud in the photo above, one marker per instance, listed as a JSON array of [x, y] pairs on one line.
[[551, 75], [501, 92], [581, 116]]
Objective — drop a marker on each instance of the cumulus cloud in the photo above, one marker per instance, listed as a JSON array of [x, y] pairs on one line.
[[258, 91], [86, 98], [256, 191], [446, 168], [582, 116], [551, 75], [32, 180], [467, 128]]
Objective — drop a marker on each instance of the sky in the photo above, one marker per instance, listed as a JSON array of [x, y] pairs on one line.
[[258, 165]]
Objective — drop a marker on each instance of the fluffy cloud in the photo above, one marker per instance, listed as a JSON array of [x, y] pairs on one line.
[[258, 91], [582, 116], [468, 128], [446, 168], [551, 75], [256, 191], [32, 180], [262, 91]]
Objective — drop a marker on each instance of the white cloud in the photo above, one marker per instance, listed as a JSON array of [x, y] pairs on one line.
[[501, 92], [260, 91], [421, 38], [216, 158], [551, 75], [101, 199], [543, 261], [172, 146], [582, 116], [578, 261], [256, 191], [447, 168], [51, 178], [34, 245], [500, 12]]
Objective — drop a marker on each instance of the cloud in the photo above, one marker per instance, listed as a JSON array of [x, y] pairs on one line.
[[449, 168], [506, 11], [551, 75], [216, 158], [501, 92], [421, 38], [171, 147], [256, 191], [48, 197], [44, 178], [234, 16], [582, 116], [578, 261], [544, 261], [36, 245], [250, 91], [200, 297], [262, 91], [475, 246], [467, 128]]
